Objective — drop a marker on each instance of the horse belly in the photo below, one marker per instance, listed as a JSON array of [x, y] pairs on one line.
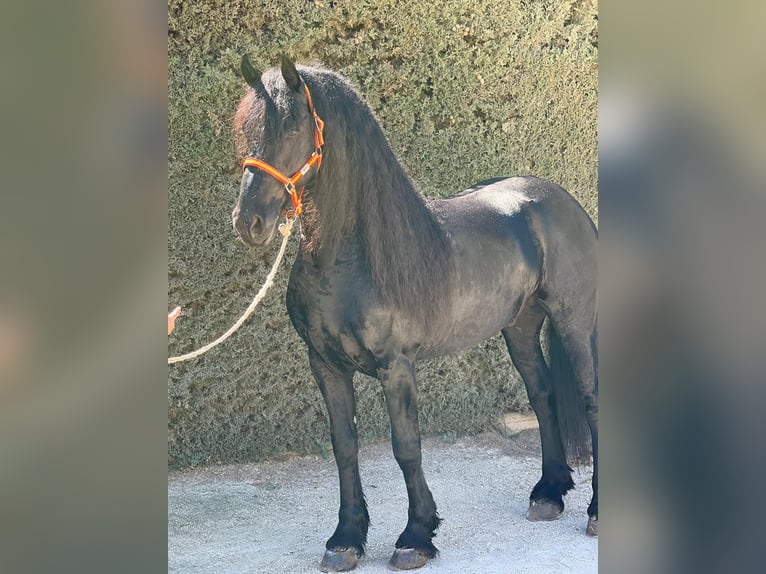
[[488, 296]]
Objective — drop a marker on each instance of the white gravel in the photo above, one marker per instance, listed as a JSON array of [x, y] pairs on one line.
[[274, 517]]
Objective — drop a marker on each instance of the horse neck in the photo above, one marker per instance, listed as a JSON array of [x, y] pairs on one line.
[[362, 193], [363, 200]]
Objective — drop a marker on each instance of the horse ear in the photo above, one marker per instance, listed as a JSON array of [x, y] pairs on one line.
[[249, 72], [290, 73]]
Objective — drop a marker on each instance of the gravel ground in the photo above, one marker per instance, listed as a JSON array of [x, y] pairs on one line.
[[274, 517]]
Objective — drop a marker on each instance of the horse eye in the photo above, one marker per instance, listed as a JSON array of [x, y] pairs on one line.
[[292, 124]]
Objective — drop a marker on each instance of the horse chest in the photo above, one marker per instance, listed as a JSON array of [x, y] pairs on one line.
[[328, 312]]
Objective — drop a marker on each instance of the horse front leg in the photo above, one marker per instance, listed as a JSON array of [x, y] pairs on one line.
[[346, 545], [414, 547]]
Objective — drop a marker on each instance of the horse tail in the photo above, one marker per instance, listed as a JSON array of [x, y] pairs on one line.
[[570, 407]]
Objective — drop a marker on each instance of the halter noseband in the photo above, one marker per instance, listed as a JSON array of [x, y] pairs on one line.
[[314, 161]]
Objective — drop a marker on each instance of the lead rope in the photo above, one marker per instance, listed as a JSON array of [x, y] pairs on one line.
[[285, 229]]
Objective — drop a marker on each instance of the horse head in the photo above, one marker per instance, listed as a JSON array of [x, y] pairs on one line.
[[278, 130]]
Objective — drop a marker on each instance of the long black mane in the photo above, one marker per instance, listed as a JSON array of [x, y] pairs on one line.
[[362, 191]]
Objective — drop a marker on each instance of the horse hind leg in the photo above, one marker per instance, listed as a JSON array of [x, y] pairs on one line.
[[523, 340], [579, 346]]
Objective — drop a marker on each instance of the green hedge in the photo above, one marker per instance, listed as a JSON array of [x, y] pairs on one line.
[[465, 91]]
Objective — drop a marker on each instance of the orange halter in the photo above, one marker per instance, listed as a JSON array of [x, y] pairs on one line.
[[314, 160]]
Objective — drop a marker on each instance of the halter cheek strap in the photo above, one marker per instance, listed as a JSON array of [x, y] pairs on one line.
[[314, 161]]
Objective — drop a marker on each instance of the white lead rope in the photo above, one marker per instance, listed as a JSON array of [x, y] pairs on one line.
[[285, 229]]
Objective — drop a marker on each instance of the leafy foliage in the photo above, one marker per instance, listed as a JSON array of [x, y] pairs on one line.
[[464, 90]]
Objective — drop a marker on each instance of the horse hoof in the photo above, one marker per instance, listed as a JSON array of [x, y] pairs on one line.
[[408, 559], [592, 528], [339, 560], [542, 510]]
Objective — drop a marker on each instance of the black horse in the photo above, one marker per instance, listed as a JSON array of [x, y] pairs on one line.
[[384, 278]]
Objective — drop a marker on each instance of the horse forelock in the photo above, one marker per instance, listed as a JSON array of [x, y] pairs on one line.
[[244, 121], [253, 118]]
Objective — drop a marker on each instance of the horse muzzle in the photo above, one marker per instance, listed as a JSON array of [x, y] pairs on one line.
[[253, 230]]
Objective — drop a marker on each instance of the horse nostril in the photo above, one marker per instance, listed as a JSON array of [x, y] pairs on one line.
[[256, 227]]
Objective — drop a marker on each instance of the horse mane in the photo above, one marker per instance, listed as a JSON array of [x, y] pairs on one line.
[[362, 190]]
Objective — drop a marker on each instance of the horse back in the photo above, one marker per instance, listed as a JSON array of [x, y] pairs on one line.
[[513, 239], [515, 211]]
